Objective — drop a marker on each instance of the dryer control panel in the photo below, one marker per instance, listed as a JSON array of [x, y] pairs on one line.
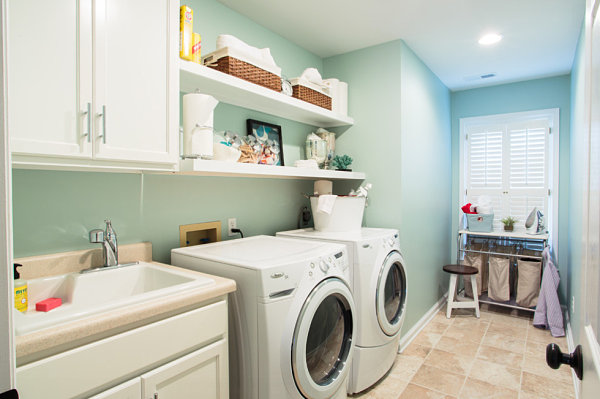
[[281, 281]]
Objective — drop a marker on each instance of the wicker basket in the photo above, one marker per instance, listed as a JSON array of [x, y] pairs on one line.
[[223, 61], [311, 96]]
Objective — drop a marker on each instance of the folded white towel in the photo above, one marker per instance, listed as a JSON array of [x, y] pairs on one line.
[[326, 203], [312, 75], [252, 52]]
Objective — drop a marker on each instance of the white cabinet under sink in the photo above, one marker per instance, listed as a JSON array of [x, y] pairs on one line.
[[93, 83], [197, 375], [182, 356]]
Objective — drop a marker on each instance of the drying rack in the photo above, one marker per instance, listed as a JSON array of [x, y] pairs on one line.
[[533, 243]]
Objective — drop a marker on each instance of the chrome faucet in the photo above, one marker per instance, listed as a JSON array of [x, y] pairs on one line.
[[108, 239]]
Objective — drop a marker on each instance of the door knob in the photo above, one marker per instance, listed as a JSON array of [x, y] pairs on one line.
[[555, 357]]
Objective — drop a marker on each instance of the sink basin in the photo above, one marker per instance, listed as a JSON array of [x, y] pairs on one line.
[[86, 294]]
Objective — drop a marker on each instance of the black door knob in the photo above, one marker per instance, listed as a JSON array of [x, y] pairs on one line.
[[555, 357]]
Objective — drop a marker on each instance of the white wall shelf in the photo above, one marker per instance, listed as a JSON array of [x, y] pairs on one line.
[[201, 167], [235, 91]]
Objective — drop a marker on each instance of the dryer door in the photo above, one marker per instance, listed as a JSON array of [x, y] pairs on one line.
[[390, 298], [324, 340]]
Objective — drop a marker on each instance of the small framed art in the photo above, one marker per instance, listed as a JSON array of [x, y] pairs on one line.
[[269, 136]]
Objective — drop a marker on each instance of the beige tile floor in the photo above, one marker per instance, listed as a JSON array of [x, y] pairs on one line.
[[500, 356]]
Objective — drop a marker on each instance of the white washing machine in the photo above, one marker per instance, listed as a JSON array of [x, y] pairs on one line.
[[379, 288], [292, 318]]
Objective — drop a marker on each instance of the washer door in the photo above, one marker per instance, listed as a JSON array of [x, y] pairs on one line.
[[390, 298], [324, 340]]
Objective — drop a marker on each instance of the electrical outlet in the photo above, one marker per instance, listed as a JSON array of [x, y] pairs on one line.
[[573, 305], [231, 224]]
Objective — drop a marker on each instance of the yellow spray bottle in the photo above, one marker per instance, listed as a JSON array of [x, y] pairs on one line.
[[20, 290]]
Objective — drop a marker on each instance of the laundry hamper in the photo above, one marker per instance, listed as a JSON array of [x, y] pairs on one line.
[[499, 279], [480, 262], [528, 285]]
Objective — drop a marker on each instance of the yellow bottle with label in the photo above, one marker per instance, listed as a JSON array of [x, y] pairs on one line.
[[186, 24], [20, 291]]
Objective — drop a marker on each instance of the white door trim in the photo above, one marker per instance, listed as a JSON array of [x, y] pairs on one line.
[[7, 368]]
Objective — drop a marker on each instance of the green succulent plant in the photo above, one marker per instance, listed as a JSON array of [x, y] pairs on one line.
[[341, 161], [509, 221]]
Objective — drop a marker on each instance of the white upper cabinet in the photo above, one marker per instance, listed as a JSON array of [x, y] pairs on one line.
[[94, 83], [136, 80], [49, 77]]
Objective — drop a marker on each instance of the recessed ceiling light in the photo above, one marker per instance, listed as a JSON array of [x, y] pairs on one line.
[[490, 38]]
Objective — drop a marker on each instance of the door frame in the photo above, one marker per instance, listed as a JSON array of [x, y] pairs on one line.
[[7, 348]]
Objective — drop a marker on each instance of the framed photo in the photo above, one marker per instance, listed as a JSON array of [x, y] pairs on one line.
[[269, 136]]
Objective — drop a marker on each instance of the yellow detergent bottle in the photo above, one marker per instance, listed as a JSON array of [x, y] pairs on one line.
[[20, 291]]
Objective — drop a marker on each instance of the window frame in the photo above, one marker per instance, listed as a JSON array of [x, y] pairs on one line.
[[552, 114]]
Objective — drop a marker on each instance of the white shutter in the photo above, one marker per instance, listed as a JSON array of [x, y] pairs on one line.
[[509, 163], [484, 165]]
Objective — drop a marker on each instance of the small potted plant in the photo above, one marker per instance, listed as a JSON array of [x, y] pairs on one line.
[[509, 223], [341, 162]]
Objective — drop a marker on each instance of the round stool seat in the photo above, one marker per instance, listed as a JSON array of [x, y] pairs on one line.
[[460, 269]]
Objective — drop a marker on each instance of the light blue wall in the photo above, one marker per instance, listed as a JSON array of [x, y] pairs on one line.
[[401, 139], [54, 210], [516, 97], [577, 182]]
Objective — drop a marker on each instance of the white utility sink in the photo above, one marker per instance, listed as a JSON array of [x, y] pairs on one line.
[[86, 294]]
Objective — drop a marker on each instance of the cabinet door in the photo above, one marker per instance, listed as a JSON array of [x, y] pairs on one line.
[[202, 374], [49, 77], [131, 389], [136, 80]]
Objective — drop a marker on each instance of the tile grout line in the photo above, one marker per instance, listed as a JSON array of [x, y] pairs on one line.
[[474, 359]]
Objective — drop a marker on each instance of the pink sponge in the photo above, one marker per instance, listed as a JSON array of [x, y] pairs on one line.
[[48, 304]]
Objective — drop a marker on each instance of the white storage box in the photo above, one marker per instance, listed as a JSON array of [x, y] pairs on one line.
[[346, 215]]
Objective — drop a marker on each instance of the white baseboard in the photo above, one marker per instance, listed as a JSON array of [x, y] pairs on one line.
[[571, 346], [420, 325]]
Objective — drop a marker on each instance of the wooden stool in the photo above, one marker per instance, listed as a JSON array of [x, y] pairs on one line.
[[462, 270]]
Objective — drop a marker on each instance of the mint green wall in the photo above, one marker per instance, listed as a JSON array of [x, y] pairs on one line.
[[516, 97], [576, 185], [54, 210], [401, 139]]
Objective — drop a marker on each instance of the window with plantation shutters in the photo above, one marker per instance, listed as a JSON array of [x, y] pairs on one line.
[[508, 160]]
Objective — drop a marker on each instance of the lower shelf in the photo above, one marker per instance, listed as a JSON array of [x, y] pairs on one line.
[[234, 169], [484, 298]]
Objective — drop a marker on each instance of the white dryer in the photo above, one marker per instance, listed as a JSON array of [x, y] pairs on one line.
[[292, 319], [379, 288]]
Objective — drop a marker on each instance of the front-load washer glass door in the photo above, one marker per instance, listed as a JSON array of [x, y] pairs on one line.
[[390, 298], [323, 340]]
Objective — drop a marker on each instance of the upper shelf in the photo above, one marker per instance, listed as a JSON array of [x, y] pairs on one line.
[[235, 91]]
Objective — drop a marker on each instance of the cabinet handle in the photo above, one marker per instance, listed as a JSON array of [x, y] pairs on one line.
[[103, 116], [88, 114]]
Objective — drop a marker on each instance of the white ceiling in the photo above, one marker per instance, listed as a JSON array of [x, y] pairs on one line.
[[540, 36]]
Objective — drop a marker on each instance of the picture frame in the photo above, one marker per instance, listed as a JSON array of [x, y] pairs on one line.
[[263, 132]]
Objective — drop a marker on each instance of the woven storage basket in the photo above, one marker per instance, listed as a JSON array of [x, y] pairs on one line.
[[243, 70], [311, 96]]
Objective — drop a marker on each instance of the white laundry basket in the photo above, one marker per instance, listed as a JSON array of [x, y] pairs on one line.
[[346, 215]]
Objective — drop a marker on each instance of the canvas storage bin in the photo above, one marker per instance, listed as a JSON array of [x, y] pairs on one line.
[[235, 63], [480, 222], [480, 262], [528, 285], [499, 279]]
